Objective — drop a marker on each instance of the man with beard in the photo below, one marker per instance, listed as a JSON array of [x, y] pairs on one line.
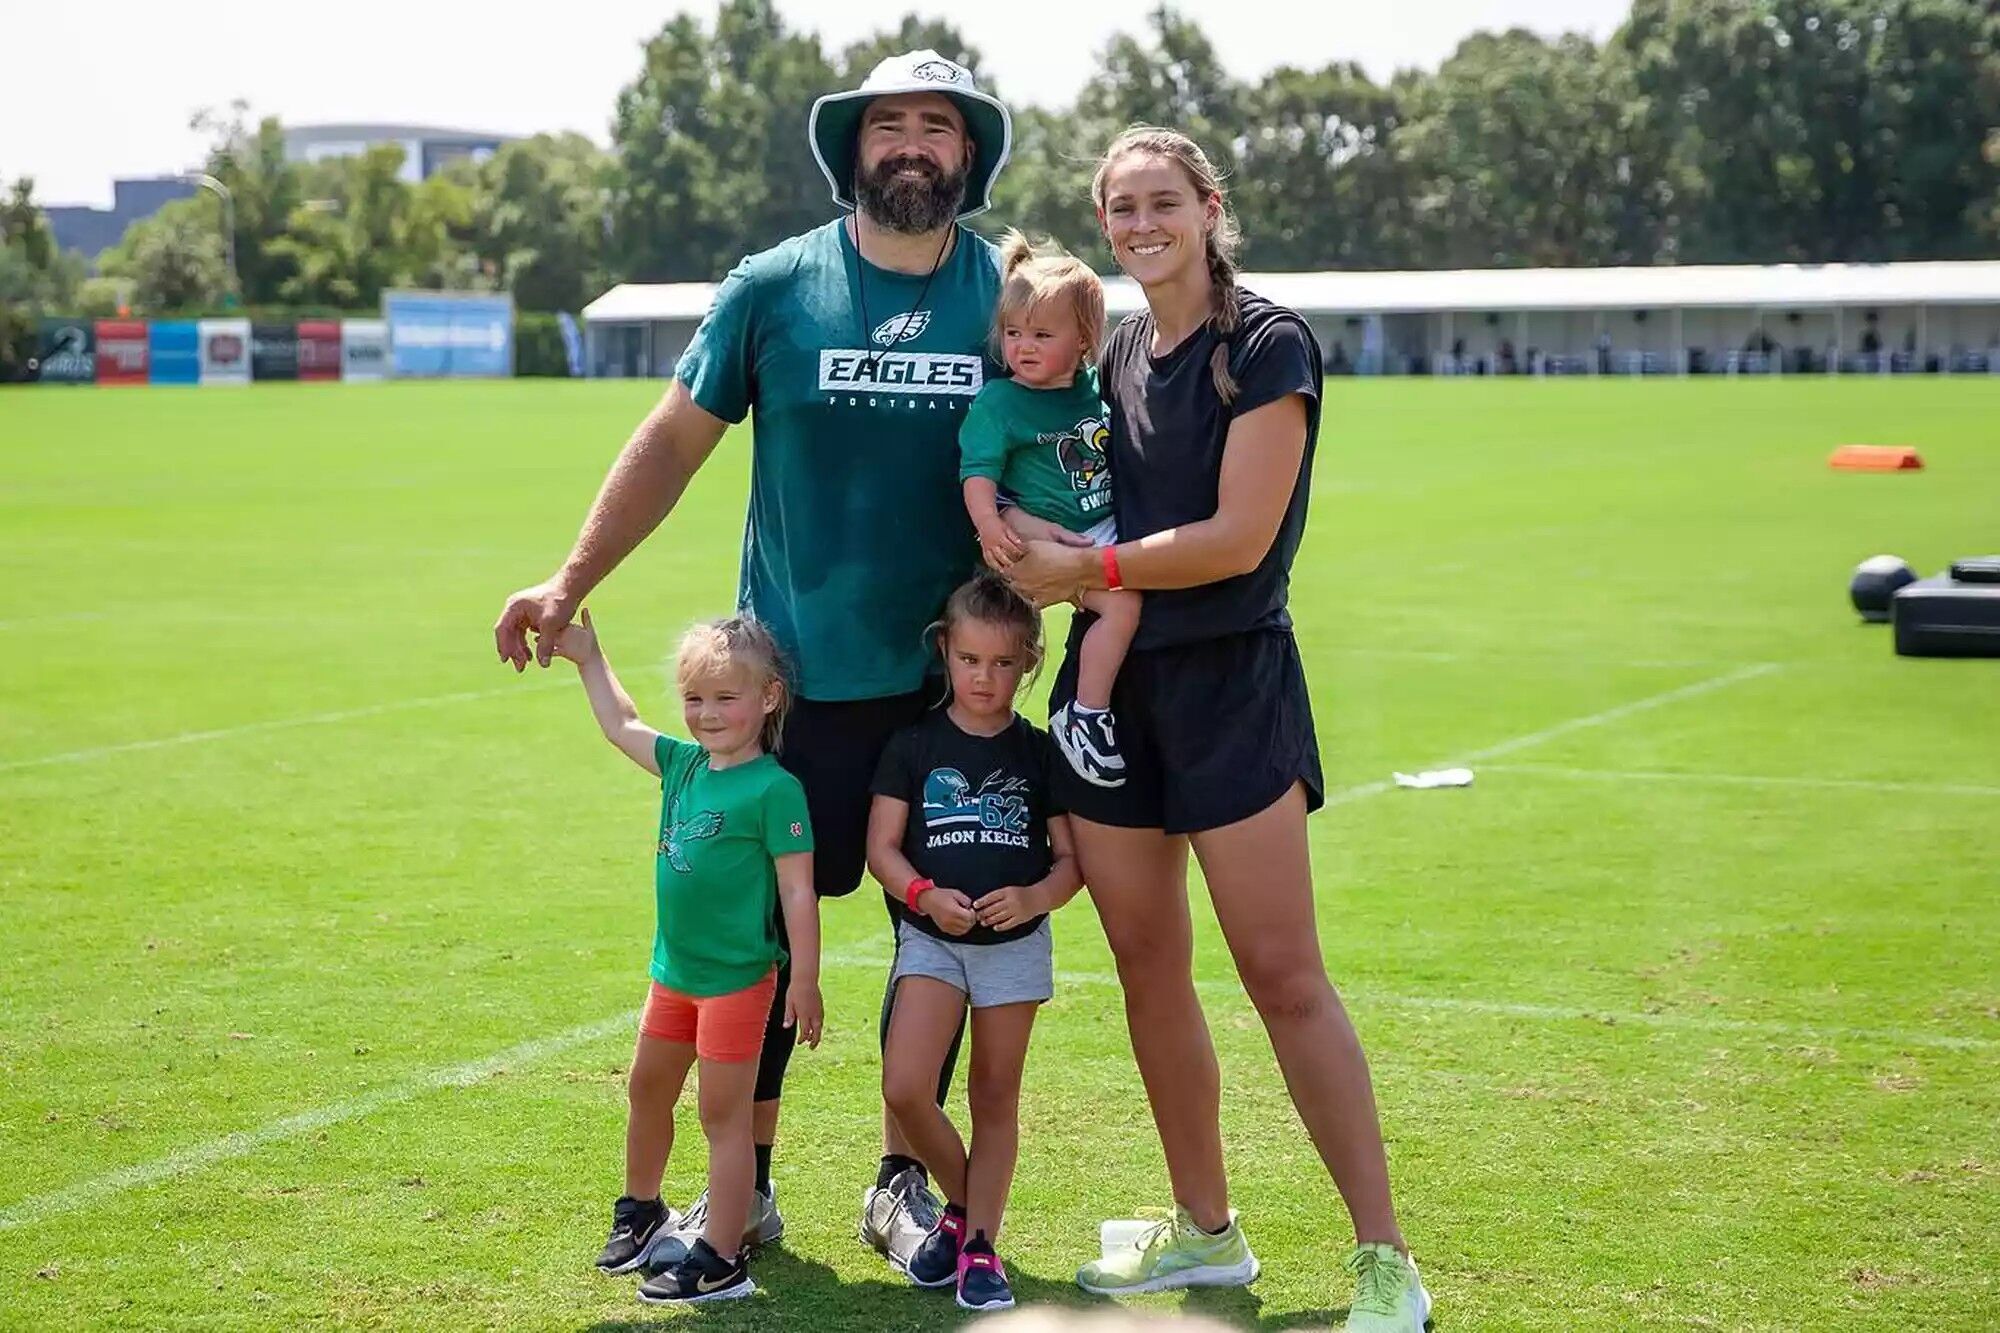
[[858, 346]]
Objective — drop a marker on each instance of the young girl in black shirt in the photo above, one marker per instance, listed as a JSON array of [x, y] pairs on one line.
[[965, 839]]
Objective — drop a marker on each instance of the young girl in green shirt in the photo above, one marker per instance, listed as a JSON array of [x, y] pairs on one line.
[[734, 843]]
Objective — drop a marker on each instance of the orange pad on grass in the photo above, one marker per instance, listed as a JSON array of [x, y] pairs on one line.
[[1875, 458]]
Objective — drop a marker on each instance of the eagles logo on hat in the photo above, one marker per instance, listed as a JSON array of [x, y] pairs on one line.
[[835, 124]]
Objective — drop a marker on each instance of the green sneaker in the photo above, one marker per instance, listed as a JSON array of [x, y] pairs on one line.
[[1173, 1253], [1388, 1295]]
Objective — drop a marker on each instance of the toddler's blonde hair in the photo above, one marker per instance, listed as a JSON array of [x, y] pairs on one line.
[[712, 648], [1033, 276]]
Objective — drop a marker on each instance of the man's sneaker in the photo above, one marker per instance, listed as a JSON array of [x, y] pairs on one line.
[[672, 1243], [982, 1282], [1173, 1253], [1089, 740], [703, 1275], [1388, 1295], [634, 1223], [896, 1217], [935, 1262]]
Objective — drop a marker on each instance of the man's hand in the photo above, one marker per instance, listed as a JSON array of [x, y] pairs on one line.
[[804, 1009], [1004, 909], [951, 909], [542, 611]]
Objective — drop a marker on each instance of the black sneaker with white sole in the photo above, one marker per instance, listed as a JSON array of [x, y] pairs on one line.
[[1089, 740], [703, 1276], [633, 1224], [671, 1244]]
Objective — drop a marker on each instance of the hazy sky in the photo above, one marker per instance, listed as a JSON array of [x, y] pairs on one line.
[[93, 91]]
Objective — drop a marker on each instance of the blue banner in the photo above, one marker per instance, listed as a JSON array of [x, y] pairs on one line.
[[572, 342], [176, 347], [434, 334]]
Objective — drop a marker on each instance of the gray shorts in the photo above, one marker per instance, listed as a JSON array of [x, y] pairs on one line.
[[1019, 971]]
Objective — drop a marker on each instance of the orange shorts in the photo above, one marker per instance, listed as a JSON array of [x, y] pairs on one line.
[[726, 1028]]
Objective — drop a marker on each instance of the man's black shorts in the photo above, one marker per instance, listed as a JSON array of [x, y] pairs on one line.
[[832, 749], [1212, 732]]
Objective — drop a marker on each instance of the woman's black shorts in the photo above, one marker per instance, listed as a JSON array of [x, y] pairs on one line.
[[1212, 732]]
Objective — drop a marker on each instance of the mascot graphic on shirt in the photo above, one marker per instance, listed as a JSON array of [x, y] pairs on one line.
[[949, 799], [1082, 453]]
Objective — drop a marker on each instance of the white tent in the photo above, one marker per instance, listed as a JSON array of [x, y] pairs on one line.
[[1829, 317]]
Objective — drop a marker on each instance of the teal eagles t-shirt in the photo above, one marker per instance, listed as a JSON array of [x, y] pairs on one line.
[[856, 531], [715, 883], [1044, 448]]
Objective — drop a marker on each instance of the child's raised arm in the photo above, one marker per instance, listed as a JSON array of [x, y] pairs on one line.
[[617, 716], [803, 1005]]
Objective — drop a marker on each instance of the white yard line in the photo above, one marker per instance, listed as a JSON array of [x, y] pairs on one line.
[[275, 724], [1546, 734], [245, 1142], [1749, 780], [55, 618]]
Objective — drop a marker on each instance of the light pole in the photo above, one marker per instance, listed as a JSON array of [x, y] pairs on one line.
[[221, 191]]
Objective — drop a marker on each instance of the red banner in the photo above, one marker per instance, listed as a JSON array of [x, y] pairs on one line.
[[319, 349], [124, 354]]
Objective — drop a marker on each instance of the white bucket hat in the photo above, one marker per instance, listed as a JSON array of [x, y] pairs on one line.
[[836, 123]]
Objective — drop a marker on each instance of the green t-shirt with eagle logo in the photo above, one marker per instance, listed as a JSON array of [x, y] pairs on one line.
[[856, 379], [715, 884], [1044, 448]]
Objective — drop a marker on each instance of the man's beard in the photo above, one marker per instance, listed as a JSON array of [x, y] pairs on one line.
[[909, 206]]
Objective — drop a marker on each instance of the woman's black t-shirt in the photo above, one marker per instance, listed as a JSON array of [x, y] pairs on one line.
[[1168, 429], [979, 812]]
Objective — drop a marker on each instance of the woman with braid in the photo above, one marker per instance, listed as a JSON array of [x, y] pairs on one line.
[[1213, 397]]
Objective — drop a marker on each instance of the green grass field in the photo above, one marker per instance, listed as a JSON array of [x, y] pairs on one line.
[[322, 935]]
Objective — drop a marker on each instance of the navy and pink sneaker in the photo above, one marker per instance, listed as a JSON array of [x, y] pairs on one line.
[[936, 1262], [982, 1280]]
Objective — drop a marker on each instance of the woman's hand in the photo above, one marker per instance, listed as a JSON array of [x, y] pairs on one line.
[[1051, 572], [951, 909], [1004, 909]]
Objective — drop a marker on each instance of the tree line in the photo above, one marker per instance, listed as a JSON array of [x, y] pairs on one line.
[[1701, 131]]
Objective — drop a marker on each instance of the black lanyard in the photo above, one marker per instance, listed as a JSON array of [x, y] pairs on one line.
[[868, 351]]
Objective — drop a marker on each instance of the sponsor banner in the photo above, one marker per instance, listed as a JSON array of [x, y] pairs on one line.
[[225, 351], [274, 352], [122, 353], [434, 334], [852, 370], [319, 349], [68, 351], [175, 345], [364, 349]]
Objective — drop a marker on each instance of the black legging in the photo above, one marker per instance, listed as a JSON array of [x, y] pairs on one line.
[[779, 1039]]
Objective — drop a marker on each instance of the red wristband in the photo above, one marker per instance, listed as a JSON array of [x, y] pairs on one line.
[[1112, 579], [916, 887]]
